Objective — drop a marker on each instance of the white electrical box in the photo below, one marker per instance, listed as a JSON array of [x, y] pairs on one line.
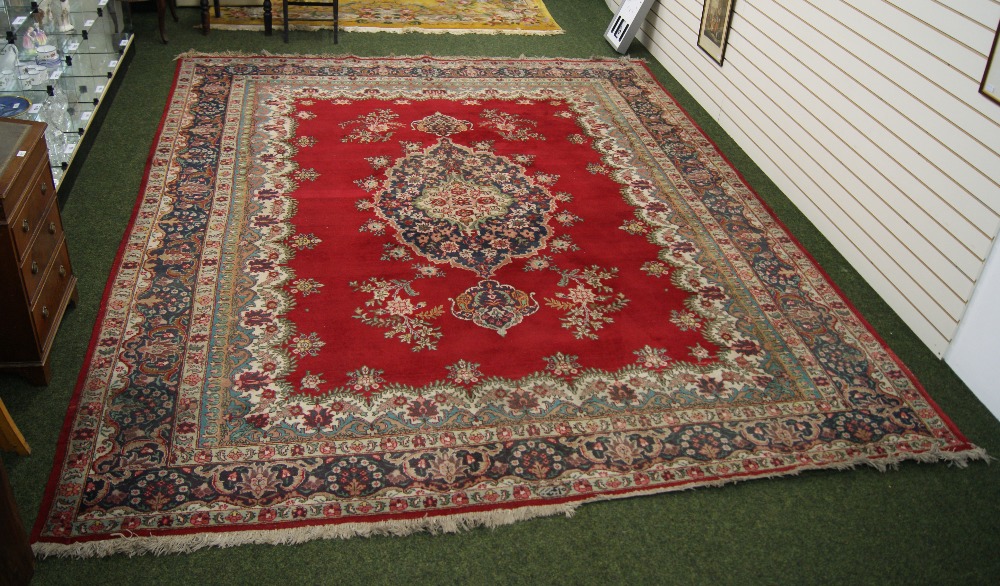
[[626, 23]]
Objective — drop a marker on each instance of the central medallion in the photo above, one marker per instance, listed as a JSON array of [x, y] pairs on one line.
[[469, 208], [463, 202]]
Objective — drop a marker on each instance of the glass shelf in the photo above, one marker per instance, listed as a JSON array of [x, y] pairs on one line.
[[58, 62]]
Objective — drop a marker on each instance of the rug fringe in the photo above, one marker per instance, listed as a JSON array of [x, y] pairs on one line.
[[193, 53], [175, 544], [453, 31], [179, 544]]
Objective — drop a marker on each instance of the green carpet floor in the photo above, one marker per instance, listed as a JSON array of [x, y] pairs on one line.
[[919, 524]]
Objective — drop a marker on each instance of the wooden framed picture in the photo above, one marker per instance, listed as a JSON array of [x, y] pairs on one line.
[[990, 86], [714, 32]]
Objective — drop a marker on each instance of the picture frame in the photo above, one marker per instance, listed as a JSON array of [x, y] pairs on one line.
[[990, 85], [713, 35]]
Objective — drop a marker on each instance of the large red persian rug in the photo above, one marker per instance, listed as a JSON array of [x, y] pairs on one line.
[[383, 295]]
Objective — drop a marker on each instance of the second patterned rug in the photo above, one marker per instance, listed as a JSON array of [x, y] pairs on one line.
[[517, 17]]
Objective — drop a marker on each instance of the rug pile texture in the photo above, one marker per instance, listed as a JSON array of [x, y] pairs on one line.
[[516, 17], [375, 296]]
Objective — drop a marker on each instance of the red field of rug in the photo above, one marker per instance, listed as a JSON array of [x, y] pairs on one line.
[[369, 296]]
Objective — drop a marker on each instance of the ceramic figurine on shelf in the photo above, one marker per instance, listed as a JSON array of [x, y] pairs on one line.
[[8, 57], [39, 15], [34, 38], [43, 15], [28, 43], [63, 22]]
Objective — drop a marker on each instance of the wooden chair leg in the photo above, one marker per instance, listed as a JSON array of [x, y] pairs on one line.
[[161, 13], [206, 20], [284, 15]]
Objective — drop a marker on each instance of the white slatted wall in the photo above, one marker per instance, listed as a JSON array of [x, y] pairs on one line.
[[866, 113]]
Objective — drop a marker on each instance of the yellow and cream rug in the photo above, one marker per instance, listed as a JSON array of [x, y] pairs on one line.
[[518, 17]]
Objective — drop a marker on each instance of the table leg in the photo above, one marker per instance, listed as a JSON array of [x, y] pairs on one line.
[[206, 20], [267, 18]]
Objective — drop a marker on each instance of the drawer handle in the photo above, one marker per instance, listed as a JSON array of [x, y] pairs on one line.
[[25, 226], [52, 227], [62, 271], [45, 312], [34, 268]]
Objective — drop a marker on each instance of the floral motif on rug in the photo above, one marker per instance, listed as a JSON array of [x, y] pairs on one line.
[[385, 295], [523, 17]]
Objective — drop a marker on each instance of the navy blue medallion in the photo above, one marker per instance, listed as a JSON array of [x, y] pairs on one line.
[[471, 209]]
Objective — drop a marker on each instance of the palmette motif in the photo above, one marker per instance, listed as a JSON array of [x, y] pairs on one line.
[[265, 363]]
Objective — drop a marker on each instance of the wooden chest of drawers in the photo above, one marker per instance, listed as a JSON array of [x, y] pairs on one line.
[[36, 278]]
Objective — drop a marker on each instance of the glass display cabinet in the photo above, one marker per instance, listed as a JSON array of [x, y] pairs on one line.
[[59, 63]]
